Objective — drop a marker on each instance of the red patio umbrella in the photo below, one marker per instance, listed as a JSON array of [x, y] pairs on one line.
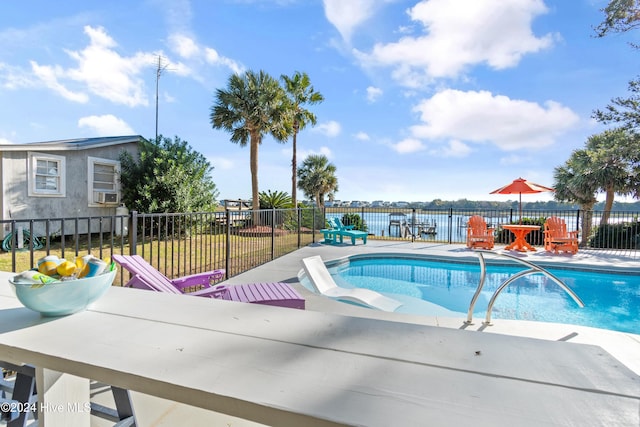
[[521, 186]]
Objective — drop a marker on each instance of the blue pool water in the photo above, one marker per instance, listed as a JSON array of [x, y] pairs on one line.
[[428, 287]]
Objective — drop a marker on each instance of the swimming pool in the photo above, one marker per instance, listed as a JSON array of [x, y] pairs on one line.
[[445, 288]]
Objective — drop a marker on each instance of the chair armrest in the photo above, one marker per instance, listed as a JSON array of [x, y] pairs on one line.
[[138, 282], [201, 279], [217, 291]]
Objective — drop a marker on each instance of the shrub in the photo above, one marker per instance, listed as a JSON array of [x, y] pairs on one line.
[[625, 235], [355, 220], [535, 238]]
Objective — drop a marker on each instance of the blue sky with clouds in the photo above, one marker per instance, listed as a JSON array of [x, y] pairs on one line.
[[428, 99]]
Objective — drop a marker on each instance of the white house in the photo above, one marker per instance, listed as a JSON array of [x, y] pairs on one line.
[[62, 179]]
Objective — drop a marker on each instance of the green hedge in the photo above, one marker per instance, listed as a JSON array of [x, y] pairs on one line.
[[535, 238], [355, 220], [625, 235]]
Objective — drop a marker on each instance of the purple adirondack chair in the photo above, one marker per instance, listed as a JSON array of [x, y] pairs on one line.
[[145, 276]]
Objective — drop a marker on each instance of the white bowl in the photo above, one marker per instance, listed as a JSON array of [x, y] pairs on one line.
[[64, 297]]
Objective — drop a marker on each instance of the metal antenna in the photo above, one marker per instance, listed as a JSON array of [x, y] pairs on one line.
[[159, 71]]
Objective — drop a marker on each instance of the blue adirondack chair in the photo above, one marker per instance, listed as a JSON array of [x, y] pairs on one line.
[[348, 231]]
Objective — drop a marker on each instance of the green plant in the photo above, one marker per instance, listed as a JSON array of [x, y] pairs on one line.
[[275, 200], [355, 220], [625, 235], [535, 238], [167, 176]]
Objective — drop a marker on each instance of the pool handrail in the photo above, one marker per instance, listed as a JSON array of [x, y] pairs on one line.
[[534, 269]]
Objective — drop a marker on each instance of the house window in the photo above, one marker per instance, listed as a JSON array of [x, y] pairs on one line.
[[46, 174], [103, 180]]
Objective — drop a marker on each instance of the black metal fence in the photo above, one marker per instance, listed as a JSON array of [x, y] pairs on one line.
[[177, 244], [613, 231], [180, 244]]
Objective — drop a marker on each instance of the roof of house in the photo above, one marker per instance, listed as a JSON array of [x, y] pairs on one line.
[[72, 144]]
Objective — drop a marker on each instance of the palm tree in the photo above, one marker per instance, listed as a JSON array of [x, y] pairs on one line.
[[317, 178], [252, 106], [572, 185], [608, 164], [300, 92], [611, 165]]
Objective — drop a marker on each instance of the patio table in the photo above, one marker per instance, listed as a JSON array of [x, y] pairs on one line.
[[520, 233], [285, 367]]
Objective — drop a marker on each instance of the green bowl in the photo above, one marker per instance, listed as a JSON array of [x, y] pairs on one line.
[[64, 297]]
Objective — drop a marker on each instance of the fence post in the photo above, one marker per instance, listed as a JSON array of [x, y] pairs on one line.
[[133, 233], [227, 249], [13, 243], [414, 219], [313, 221], [450, 231], [299, 222], [273, 234]]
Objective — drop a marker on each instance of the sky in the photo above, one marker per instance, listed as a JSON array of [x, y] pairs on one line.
[[423, 100]]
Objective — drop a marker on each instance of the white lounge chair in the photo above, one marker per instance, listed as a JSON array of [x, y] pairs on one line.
[[324, 284]]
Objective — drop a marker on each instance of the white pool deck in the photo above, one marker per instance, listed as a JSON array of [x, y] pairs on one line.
[[510, 373]]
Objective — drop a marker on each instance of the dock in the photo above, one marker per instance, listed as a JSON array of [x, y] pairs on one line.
[[399, 224]]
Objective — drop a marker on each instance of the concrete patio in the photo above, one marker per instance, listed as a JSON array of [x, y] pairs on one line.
[[623, 347]]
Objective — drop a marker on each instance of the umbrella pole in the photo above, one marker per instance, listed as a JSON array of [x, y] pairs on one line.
[[520, 194]]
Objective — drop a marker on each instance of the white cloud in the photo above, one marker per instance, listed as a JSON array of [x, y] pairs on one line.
[[5, 141], [330, 128], [373, 93], [408, 145], [482, 117], [221, 163], [184, 46], [108, 74], [188, 48], [214, 58], [326, 151], [101, 71], [168, 98], [106, 125], [513, 159], [49, 77], [493, 32], [362, 136], [347, 15], [455, 148], [12, 77]]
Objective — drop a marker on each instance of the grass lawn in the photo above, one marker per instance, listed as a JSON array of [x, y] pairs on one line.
[[175, 257]]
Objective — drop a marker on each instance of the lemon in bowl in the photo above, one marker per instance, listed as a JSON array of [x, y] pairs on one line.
[[60, 297]]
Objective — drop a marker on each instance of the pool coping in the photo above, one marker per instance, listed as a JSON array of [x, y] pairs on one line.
[[623, 346], [498, 261]]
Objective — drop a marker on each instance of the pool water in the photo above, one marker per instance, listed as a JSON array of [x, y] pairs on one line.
[[426, 287]]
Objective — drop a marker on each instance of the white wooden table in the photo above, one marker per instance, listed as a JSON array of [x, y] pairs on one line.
[[288, 367]]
